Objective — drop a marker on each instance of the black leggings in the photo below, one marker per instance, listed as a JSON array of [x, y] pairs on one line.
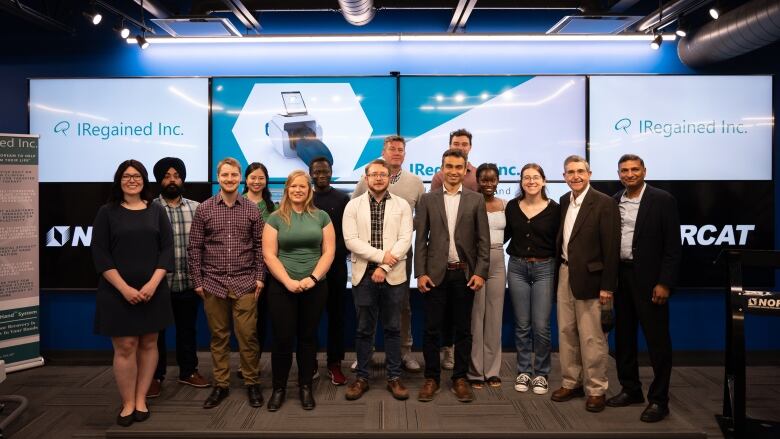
[[294, 315]]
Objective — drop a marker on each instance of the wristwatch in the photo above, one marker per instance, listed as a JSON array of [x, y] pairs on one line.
[[314, 278]]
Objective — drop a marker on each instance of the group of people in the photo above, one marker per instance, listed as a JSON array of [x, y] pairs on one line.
[[249, 260]]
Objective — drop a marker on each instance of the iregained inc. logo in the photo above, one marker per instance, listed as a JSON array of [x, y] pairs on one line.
[[62, 127], [623, 124]]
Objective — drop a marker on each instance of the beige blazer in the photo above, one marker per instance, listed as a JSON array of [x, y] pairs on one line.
[[396, 236]]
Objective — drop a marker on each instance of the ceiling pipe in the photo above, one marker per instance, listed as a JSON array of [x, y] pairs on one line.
[[739, 31], [357, 12], [21, 10], [154, 7]]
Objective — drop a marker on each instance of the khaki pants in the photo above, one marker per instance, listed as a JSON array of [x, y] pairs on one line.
[[583, 347], [244, 313], [406, 310]]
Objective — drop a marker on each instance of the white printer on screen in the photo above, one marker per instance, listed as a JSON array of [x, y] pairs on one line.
[[284, 129]]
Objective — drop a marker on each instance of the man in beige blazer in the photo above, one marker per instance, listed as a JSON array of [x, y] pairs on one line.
[[378, 231], [451, 261]]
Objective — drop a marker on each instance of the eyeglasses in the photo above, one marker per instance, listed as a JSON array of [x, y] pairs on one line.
[[378, 175], [128, 177], [532, 178]]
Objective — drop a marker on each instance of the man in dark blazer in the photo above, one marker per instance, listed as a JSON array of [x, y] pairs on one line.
[[649, 261], [588, 245], [451, 260]]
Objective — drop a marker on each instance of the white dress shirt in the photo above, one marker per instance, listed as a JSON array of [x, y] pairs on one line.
[[451, 204], [571, 218], [629, 208]]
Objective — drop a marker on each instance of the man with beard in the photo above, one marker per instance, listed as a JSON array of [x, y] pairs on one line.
[[170, 173], [225, 258], [333, 202]]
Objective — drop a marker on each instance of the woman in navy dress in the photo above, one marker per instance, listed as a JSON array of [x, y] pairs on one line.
[[132, 247]]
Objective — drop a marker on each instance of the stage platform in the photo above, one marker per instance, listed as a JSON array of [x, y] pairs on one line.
[[82, 402]]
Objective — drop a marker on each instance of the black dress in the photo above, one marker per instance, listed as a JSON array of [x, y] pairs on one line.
[[136, 243]]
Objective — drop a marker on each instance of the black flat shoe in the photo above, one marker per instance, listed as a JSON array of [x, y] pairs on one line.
[[216, 397], [255, 394], [140, 416], [654, 412], [307, 397], [624, 399], [276, 400], [125, 421]]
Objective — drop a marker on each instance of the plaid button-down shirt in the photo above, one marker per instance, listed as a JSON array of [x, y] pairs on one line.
[[181, 220], [225, 249], [377, 223]]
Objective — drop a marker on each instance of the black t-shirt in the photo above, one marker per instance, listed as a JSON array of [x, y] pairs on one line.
[[333, 202]]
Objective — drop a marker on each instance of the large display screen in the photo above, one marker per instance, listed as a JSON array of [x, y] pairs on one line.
[[684, 127], [514, 120], [286, 122], [89, 126]]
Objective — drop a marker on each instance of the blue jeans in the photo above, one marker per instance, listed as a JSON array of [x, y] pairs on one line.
[[531, 286], [371, 299]]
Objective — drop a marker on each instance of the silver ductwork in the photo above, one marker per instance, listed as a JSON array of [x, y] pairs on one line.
[[742, 30], [357, 12]]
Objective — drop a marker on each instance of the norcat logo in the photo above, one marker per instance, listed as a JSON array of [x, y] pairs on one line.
[[709, 234], [623, 124], [62, 127], [58, 236]]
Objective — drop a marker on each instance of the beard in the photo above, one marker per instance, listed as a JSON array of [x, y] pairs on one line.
[[172, 191]]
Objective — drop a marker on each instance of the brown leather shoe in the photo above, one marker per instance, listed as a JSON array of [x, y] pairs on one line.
[[596, 404], [154, 389], [428, 391], [462, 390], [195, 380], [564, 394], [396, 387], [356, 389]]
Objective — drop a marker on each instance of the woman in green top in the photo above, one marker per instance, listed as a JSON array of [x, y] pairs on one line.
[[299, 244], [256, 188]]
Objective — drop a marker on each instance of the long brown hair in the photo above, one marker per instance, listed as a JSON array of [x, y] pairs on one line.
[[285, 206]]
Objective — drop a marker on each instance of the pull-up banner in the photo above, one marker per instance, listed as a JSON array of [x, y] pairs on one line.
[[19, 290]]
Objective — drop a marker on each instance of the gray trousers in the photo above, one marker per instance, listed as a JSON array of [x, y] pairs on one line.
[[486, 316]]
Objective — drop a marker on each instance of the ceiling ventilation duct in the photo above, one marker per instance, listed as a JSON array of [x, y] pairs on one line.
[[742, 30], [357, 12]]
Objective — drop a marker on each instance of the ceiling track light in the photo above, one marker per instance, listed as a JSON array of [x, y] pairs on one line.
[[682, 28], [141, 41], [94, 16], [715, 11], [656, 43], [122, 29]]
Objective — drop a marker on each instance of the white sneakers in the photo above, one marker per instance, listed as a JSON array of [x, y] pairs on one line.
[[448, 357], [538, 384], [523, 382]]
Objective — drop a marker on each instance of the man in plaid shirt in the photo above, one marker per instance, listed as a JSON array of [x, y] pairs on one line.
[[227, 269], [170, 172]]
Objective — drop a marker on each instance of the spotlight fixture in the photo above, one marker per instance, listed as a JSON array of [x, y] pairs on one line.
[[682, 29], [656, 43], [123, 30], [715, 11], [141, 40], [94, 16]]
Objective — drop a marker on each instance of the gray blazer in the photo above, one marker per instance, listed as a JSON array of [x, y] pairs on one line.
[[432, 240]]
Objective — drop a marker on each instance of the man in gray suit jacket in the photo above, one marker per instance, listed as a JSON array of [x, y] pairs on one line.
[[451, 262], [588, 245]]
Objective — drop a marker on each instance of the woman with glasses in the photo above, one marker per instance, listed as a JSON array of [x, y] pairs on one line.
[[532, 221], [299, 244], [132, 248], [486, 314]]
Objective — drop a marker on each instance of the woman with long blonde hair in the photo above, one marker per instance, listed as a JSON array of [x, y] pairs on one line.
[[299, 244]]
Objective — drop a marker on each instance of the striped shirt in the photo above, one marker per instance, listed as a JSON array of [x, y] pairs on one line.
[[225, 249], [181, 219]]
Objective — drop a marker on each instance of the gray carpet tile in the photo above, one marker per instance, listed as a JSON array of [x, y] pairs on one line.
[[82, 402]]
